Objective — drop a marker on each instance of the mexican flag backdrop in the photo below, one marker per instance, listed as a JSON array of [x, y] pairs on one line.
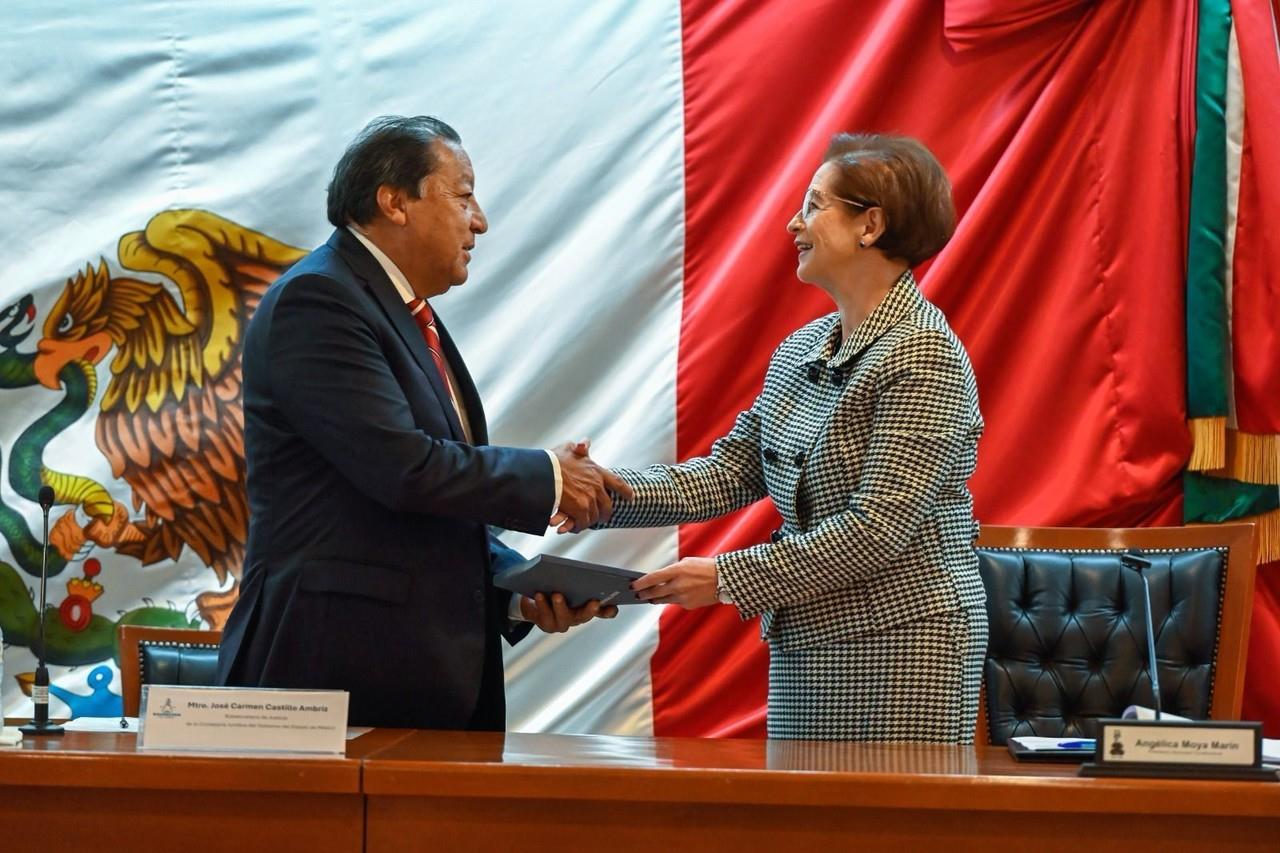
[[1112, 276]]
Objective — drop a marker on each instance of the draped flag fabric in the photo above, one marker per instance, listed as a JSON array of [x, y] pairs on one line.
[[1233, 305], [638, 163]]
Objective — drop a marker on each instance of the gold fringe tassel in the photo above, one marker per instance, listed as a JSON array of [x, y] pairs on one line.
[[1243, 456], [1266, 528], [1251, 458], [1221, 452], [1208, 443], [1268, 535]]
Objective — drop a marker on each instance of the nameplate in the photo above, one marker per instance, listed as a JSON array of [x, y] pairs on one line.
[[1179, 743], [238, 719]]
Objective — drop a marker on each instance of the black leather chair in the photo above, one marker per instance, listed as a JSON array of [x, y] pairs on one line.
[[165, 656], [1068, 641]]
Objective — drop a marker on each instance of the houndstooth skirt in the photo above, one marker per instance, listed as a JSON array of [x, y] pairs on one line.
[[914, 682]]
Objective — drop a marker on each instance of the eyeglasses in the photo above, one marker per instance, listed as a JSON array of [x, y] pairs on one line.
[[810, 205]]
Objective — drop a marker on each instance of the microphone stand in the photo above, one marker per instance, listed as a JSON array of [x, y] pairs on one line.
[[1138, 563], [1176, 757], [40, 725]]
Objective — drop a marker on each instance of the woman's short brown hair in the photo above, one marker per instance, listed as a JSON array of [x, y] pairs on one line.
[[902, 177]]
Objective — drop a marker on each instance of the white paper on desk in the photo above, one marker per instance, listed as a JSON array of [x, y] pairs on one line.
[[1271, 750], [103, 724], [354, 732], [1140, 712], [10, 736], [1048, 744]]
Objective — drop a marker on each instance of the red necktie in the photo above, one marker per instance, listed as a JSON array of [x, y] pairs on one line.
[[427, 324]]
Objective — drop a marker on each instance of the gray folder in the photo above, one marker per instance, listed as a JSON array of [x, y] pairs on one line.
[[577, 581]]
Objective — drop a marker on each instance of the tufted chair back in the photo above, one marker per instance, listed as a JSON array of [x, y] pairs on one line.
[[1068, 641], [164, 656]]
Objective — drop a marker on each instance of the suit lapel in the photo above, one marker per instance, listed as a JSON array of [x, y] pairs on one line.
[[375, 278]]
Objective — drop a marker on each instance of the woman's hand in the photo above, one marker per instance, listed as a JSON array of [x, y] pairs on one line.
[[690, 583]]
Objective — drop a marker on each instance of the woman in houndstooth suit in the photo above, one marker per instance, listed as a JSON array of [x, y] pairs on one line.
[[864, 435]]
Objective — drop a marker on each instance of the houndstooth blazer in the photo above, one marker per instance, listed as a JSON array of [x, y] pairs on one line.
[[866, 451]]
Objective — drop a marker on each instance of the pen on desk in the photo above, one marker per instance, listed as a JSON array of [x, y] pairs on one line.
[[1078, 744]]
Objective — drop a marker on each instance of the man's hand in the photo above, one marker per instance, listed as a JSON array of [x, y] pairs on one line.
[[585, 487], [691, 583], [556, 616]]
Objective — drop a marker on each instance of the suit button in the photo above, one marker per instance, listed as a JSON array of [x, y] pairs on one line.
[[837, 377], [776, 536], [799, 460], [770, 455], [478, 596], [815, 373]]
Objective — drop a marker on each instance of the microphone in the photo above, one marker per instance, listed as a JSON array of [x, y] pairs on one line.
[[1134, 560], [40, 724]]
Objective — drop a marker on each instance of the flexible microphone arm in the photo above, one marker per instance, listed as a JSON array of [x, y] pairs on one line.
[[1134, 560], [39, 724]]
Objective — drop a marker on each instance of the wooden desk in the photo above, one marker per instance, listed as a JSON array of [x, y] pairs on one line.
[[447, 791], [94, 792], [437, 791]]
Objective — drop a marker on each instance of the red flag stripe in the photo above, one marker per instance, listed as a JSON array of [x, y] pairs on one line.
[[1057, 132]]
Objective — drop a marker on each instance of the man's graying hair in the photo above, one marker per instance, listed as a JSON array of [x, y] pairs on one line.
[[393, 150]]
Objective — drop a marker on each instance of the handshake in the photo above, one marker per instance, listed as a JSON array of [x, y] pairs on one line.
[[587, 490], [586, 498]]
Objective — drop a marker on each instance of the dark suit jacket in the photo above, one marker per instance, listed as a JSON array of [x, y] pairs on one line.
[[369, 564]]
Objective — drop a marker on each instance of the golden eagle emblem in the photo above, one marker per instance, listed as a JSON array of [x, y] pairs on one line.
[[171, 422]]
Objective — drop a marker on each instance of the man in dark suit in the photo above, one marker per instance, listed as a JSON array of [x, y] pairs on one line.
[[371, 482]]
